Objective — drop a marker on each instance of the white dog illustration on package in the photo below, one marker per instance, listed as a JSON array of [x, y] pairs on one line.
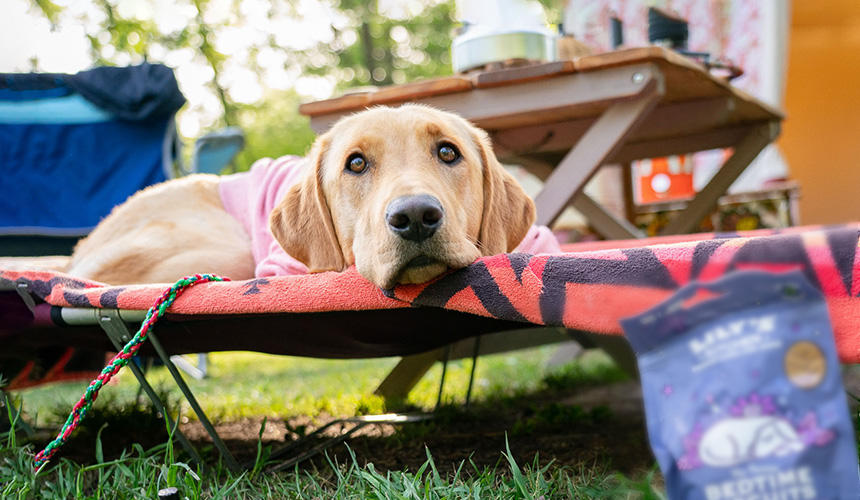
[[733, 441]]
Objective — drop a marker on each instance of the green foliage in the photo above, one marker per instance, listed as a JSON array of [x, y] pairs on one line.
[[595, 368], [49, 9], [273, 127], [555, 416], [554, 10], [855, 413], [377, 50]]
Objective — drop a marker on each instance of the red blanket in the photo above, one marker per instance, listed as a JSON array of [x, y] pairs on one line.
[[588, 288]]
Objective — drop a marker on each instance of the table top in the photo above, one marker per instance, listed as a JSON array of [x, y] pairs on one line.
[[685, 80]]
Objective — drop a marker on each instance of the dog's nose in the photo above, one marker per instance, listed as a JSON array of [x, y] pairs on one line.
[[414, 218]]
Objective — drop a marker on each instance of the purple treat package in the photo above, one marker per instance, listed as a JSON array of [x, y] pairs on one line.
[[743, 392]]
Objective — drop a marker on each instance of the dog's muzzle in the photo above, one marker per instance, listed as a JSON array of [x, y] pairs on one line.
[[414, 218]]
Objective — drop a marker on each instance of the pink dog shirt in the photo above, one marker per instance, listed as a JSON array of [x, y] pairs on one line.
[[251, 196]]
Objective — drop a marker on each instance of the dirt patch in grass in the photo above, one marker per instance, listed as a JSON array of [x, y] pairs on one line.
[[594, 426]]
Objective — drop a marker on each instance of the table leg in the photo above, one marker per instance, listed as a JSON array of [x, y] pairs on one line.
[[609, 226], [599, 143], [627, 180], [606, 223], [406, 374], [744, 153]]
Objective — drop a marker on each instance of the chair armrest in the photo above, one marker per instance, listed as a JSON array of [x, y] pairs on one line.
[[215, 150]]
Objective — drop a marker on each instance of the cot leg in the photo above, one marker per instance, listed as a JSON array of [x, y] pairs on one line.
[[147, 365], [189, 396], [119, 334], [358, 422], [442, 378], [475, 352]]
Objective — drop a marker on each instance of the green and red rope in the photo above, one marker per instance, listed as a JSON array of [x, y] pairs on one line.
[[79, 412]]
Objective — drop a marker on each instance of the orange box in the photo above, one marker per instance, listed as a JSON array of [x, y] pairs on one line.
[[663, 179]]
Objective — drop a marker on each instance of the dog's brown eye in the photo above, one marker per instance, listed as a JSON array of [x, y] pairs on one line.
[[448, 153], [356, 163]]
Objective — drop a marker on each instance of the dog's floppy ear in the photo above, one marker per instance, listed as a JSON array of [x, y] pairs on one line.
[[302, 222], [508, 211]]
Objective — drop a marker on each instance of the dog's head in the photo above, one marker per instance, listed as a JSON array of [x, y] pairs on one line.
[[404, 193]]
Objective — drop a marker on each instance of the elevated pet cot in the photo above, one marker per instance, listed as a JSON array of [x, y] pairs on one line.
[[341, 315]]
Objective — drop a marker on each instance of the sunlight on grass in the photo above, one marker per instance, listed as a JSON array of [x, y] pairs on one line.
[[243, 384]]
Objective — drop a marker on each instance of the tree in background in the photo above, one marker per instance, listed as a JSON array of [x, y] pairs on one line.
[[236, 49], [375, 49], [273, 127]]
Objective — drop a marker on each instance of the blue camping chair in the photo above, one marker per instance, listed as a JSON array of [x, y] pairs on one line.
[[74, 146]]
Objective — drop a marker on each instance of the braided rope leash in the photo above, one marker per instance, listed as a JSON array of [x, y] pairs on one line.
[[120, 360]]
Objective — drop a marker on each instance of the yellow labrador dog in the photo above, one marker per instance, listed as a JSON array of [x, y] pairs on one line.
[[403, 193]]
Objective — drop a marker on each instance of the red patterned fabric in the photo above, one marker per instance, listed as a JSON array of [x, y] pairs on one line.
[[591, 287]]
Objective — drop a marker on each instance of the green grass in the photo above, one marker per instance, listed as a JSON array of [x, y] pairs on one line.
[[142, 473], [253, 385], [245, 384]]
